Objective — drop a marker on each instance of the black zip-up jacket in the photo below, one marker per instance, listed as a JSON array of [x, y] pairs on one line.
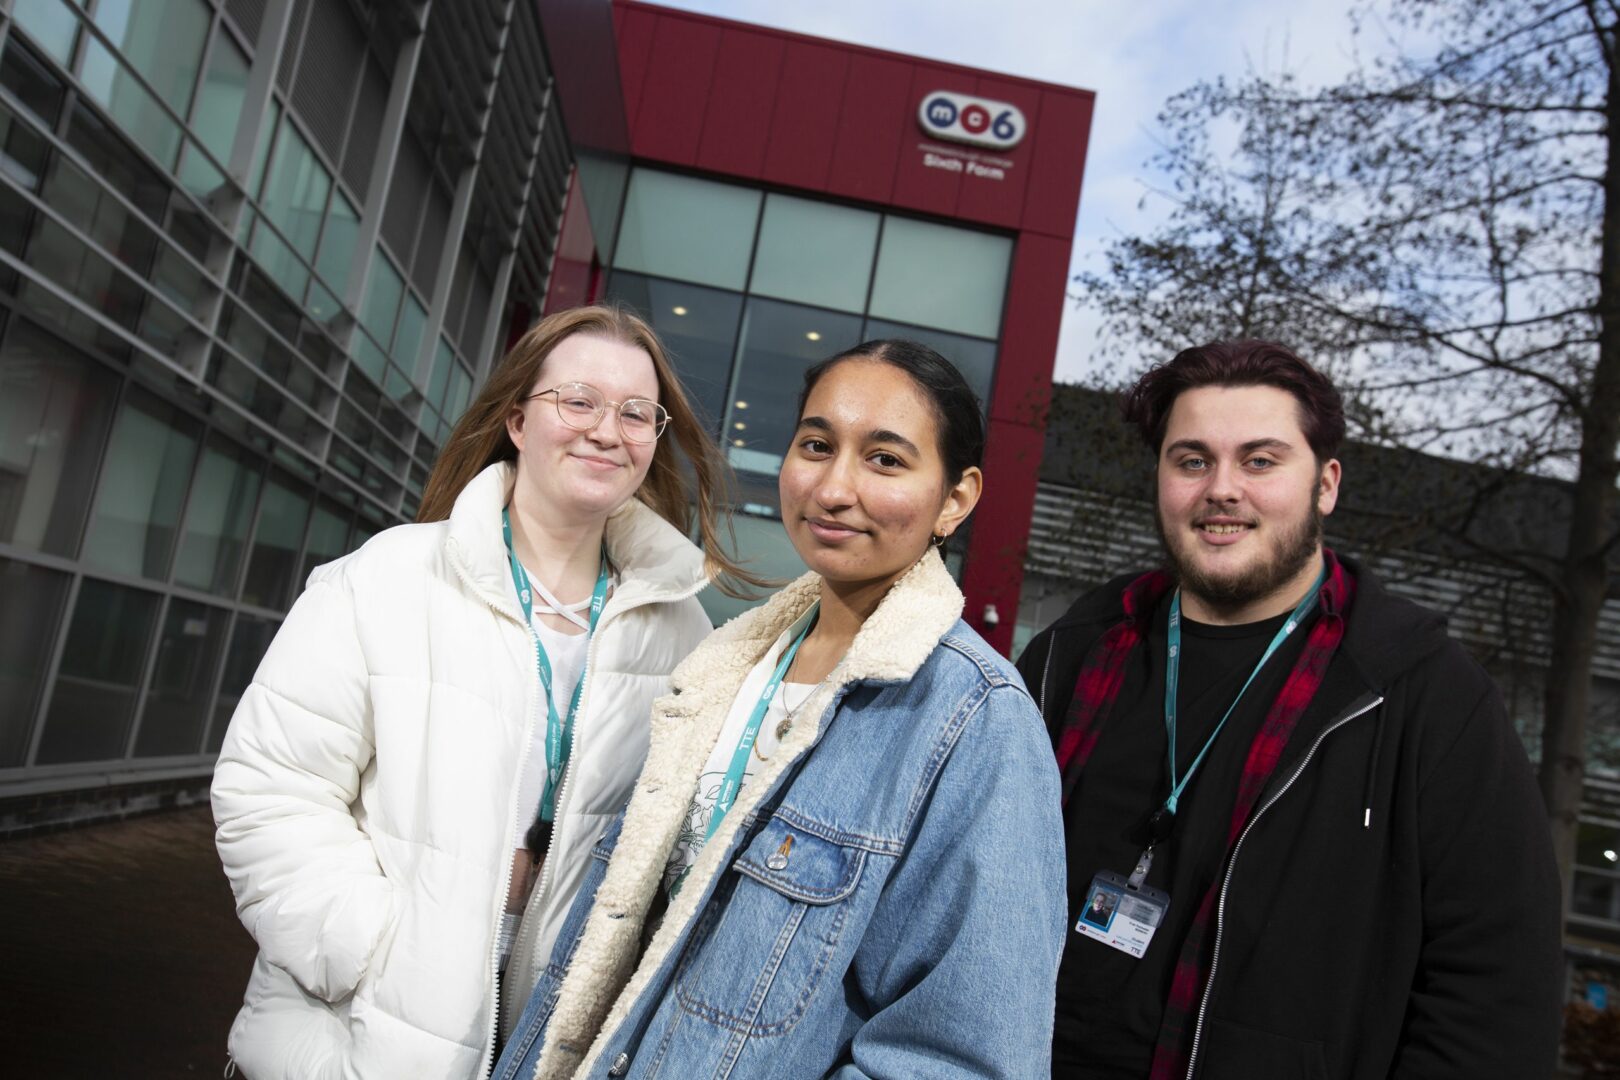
[[1392, 908]]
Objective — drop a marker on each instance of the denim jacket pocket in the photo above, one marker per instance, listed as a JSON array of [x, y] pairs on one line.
[[763, 945]]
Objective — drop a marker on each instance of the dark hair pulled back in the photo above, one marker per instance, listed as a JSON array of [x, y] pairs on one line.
[[957, 413]]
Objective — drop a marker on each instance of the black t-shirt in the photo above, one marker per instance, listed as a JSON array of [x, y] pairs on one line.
[[1109, 1004]]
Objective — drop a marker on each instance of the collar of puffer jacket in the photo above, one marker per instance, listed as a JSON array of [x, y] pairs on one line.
[[654, 560]]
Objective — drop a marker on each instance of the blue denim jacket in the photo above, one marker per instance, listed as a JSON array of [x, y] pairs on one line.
[[891, 903]]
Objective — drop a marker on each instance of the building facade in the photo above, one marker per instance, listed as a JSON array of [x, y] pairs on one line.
[[254, 257], [257, 255]]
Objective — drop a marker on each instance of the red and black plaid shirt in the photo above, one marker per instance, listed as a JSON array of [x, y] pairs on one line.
[[1101, 675]]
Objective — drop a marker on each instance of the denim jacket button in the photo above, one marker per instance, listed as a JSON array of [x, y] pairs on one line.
[[777, 861], [620, 1065]]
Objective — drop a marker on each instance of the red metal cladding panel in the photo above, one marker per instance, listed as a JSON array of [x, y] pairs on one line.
[[1036, 291], [675, 96], [804, 128], [927, 180], [634, 28], [738, 124], [1053, 196], [994, 567], [994, 181], [571, 272], [876, 106]]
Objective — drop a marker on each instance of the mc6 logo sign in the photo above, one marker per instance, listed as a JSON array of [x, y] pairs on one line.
[[977, 121]]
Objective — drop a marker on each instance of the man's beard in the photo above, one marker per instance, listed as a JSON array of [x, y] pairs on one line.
[[1292, 551]]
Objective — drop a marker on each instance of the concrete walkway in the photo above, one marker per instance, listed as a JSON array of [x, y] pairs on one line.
[[120, 953]]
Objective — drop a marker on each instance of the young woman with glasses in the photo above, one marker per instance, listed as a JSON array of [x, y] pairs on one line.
[[844, 856], [449, 717]]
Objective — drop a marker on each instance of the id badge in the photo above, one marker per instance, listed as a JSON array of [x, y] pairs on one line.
[[1121, 915]]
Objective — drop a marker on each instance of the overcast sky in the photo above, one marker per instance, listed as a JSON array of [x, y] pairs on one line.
[[1133, 54]]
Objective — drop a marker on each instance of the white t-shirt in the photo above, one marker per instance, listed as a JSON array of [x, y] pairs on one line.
[[784, 703], [566, 654]]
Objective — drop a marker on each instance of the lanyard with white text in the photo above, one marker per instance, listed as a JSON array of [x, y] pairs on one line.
[[559, 731], [1164, 817], [739, 757]]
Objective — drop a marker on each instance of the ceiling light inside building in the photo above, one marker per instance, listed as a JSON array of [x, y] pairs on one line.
[[740, 426], [814, 335], [678, 309], [742, 404]]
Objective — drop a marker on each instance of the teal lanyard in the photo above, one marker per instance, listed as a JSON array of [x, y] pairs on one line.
[[1172, 676], [559, 731], [745, 744]]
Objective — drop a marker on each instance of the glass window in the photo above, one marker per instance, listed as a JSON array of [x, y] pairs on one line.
[[276, 540], [936, 275], [295, 191], [217, 518], [338, 242], [143, 483], [328, 538], [93, 700], [278, 260], [182, 680], [412, 321], [383, 294], [28, 622], [52, 25], [682, 227], [117, 164], [769, 552], [815, 253], [218, 110], [161, 39], [443, 359], [110, 85], [460, 390], [250, 637], [36, 84], [779, 342], [697, 325], [55, 409], [973, 357], [261, 149]]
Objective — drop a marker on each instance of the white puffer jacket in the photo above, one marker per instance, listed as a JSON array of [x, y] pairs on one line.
[[364, 794]]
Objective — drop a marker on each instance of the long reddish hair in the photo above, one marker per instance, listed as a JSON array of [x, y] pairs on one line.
[[480, 438]]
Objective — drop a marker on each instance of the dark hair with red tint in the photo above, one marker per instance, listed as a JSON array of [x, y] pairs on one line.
[[1249, 362]]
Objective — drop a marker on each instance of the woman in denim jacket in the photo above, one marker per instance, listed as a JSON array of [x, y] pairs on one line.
[[844, 855]]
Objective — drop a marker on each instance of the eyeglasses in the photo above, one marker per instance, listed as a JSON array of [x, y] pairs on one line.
[[581, 406]]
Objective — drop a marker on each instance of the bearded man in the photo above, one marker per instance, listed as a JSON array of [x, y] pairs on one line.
[[1329, 856]]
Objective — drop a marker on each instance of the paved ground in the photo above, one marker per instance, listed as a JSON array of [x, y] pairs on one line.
[[120, 953]]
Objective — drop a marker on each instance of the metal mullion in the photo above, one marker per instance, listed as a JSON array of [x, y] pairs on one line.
[[368, 456], [269, 331], [60, 145], [148, 666], [89, 23], [229, 349], [117, 264], [53, 668], [219, 677], [235, 594], [73, 301]]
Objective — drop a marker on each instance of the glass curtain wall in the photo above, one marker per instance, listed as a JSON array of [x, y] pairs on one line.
[[750, 288]]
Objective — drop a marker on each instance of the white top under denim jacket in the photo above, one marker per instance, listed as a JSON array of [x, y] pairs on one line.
[[886, 897], [365, 795]]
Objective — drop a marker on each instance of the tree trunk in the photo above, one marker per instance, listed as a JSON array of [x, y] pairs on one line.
[[1585, 579]]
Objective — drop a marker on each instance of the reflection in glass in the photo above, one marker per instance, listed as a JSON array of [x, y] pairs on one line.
[[52, 25], [93, 700], [161, 39], [250, 637], [974, 358], [182, 680], [338, 242], [936, 275], [383, 294], [28, 622], [769, 552], [779, 342], [276, 539], [143, 483], [295, 191], [217, 518], [698, 327], [686, 228], [218, 111], [328, 538], [815, 253], [111, 86], [55, 409], [408, 339]]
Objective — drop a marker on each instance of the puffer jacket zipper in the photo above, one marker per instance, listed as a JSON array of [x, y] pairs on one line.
[[1231, 864]]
